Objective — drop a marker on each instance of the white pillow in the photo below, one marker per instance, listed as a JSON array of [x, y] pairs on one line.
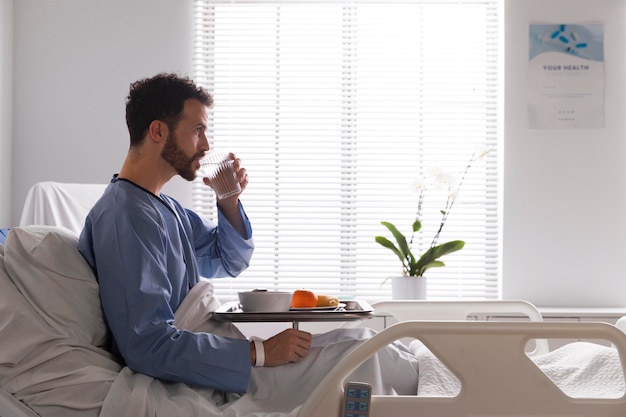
[[57, 376], [46, 267]]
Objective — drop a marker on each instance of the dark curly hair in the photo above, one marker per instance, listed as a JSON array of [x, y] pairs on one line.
[[161, 97]]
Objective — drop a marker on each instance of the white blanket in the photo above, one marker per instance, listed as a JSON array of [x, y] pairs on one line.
[[272, 392], [579, 369]]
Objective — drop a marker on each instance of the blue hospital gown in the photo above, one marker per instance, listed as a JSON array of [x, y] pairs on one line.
[[147, 253]]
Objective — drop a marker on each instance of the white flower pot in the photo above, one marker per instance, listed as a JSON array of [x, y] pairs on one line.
[[408, 288]]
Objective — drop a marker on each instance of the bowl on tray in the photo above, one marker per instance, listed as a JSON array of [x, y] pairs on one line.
[[264, 301]]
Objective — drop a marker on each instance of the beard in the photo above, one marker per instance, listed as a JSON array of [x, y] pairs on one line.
[[174, 155]]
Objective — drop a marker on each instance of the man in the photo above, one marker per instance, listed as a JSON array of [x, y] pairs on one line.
[[148, 251]]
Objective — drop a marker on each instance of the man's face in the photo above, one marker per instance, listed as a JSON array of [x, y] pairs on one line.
[[187, 143]]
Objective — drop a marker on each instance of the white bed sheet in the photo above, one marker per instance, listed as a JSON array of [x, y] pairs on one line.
[[60, 204], [579, 369]]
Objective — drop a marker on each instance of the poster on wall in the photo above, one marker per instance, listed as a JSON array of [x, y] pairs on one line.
[[566, 76]]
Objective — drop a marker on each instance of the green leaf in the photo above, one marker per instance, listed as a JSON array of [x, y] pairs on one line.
[[402, 250], [429, 258], [401, 240], [448, 247], [431, 264], [387, 243], [417, 225]]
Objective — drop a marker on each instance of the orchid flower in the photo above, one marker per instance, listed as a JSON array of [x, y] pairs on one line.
[[411, 265]]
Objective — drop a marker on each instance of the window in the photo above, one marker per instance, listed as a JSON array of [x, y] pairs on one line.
[[336, 108]]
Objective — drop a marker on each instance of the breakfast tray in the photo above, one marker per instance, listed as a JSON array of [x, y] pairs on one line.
[[348, 310]]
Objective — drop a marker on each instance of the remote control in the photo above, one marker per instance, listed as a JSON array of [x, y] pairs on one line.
[[356, 399]]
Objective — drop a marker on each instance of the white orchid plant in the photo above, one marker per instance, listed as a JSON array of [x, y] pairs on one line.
[[413, 266]]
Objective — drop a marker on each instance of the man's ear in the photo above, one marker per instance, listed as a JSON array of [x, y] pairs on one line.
[[158, 131]]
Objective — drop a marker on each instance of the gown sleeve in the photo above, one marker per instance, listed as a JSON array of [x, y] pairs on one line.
[[221, 251]]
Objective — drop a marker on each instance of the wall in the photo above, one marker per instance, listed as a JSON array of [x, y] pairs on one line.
[[564, 233], [564, 229], [74, 61], [6, 110]]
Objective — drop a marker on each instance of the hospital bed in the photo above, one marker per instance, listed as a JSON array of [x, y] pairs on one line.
[[486, 367]]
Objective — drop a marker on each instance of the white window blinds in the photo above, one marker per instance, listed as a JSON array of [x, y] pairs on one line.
[[336, 109]]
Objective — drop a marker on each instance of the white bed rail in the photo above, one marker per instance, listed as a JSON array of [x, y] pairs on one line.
[[621, 324], [406, 310], [497, 376]]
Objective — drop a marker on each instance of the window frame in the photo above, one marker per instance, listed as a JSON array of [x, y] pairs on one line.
[[440, 287]]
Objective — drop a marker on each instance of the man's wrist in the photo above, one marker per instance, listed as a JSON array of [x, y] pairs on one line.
[[252, 354]]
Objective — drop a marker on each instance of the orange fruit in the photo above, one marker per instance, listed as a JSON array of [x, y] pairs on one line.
[[303, 299]]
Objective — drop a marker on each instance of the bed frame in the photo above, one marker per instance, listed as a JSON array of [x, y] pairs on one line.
[[497, 376]]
